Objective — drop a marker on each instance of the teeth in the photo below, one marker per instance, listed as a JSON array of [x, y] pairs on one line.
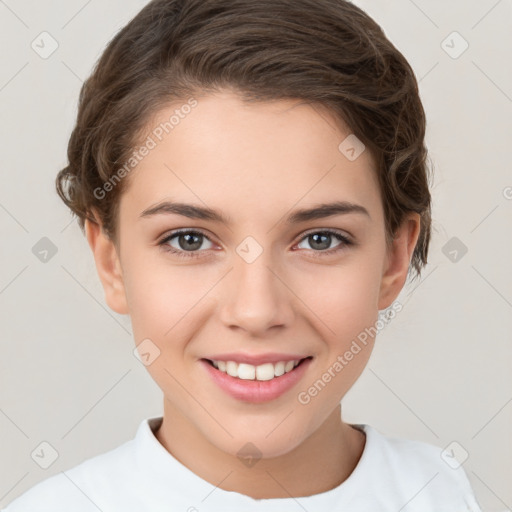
[[232, 368], [279, 369], [246, 371], [289, 366], [264, 371]]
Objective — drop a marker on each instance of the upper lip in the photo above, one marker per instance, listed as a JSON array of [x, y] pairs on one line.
[[256, 359]]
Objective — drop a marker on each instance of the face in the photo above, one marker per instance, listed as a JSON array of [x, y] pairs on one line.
[[262, 280]]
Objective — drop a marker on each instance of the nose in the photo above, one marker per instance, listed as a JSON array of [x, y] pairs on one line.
[[255, 297]]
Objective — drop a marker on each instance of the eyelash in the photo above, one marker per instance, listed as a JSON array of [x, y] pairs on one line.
[[346, 242]]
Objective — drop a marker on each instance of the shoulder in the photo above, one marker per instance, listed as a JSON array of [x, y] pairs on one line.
[[420, 472], [417, 456], [85, 487]]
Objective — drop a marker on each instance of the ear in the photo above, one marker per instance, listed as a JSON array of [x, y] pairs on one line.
[[108, 266], [398, 259]]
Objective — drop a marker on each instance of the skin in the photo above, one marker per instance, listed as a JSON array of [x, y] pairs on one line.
[[256, 164]]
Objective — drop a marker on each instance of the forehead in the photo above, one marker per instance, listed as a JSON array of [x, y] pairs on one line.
[[247, 159]]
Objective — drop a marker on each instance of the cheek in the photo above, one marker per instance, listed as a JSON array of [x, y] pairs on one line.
[[163, 303], [344, 306], [158, 301], [344, 299], [164, 298]]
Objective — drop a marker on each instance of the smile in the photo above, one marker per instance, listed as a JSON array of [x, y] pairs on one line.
[[247, 371], [253, 383]]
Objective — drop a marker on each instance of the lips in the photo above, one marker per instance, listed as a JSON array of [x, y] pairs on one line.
[[254, 389]]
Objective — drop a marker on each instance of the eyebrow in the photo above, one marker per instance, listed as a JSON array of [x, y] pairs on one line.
[[204, 213]]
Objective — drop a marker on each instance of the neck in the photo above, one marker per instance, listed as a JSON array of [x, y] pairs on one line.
[[321, 462]]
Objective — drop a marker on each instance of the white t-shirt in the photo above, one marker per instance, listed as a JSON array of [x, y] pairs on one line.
[[141, 475]]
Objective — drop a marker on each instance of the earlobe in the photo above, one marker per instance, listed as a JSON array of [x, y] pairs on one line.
[[108, 266], [398, 259]]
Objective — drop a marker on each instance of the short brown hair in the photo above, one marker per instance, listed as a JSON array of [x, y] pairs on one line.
[[328, 53]]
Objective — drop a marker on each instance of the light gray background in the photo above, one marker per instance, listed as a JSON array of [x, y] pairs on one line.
[[441, 369]]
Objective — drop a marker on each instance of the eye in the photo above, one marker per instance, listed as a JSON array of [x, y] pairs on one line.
[[186, 243], [321, 240]]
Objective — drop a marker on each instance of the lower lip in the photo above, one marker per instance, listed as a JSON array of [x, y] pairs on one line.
[[256, 390]]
